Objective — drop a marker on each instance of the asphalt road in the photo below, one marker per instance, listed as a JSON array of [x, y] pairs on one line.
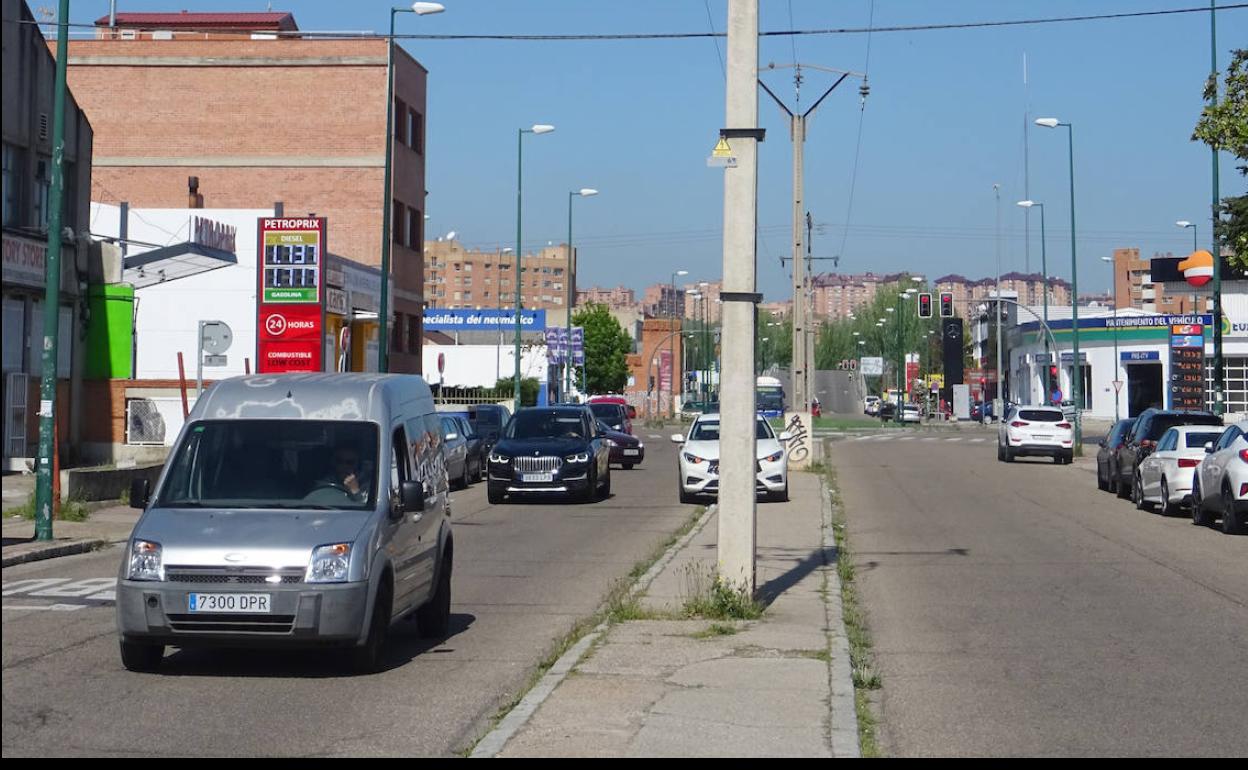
[[1016, 610], [524, 573]]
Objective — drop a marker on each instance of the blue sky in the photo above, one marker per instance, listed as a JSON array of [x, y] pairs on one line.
[[943, 123]]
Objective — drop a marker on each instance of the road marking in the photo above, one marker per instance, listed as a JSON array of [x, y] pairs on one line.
[[906, 438], [953, 439], [90, 590], [931, 439], [655, 435], [51, 607], [978, 440]]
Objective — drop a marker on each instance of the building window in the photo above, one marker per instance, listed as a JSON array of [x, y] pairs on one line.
[[468, 296], [43, 186], [413, 333], [415, 238], [400, 121], [396, 223], [12, 184], [416, 131], [396, 334]]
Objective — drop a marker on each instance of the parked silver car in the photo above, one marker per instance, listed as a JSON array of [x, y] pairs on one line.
[[294, 509]]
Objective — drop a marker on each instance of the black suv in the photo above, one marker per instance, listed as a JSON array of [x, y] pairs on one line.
[[1149, 427], [557, 451]]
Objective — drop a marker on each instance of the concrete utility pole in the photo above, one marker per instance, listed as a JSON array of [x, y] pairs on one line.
[[998, 401], [737, 536], [801, 346]]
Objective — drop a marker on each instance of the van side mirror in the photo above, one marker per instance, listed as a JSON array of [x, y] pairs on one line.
[[140, 492], [412, 495]]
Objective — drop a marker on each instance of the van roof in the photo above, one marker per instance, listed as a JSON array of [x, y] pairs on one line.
[[312, 397]]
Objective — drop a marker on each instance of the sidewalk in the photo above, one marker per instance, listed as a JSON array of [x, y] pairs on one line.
[[778, 686], [104, 526]]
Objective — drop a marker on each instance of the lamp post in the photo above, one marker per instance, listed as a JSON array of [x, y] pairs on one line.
[[1044, 272], [1113, 276], [1219, 369], [671, 345], [539, 128], [584, 192], [383, 316], [1185, 224], [498, 352], [1076, 386], [696, 360]]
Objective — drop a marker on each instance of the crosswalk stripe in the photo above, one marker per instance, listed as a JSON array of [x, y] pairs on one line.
[[978, 440], [953, 439], [906, 438]]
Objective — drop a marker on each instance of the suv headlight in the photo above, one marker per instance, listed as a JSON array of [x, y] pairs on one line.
[[774, 458], [693, 459], [499, 459], [329, 563], [145, 561], [580, 457]]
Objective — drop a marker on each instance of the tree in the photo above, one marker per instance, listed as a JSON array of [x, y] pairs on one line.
[[529, 387], [606, 349], [1224, 126]]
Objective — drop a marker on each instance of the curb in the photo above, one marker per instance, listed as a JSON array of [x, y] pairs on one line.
[[68, 549], [496, 739], [844, 713]]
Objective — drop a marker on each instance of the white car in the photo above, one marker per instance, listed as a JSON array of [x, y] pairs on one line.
[[1165, 476], [699, 460], [1035, 430], [871, 405], [1220, 482], [910, 413]]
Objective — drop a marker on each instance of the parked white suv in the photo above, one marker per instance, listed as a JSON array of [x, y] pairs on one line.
[[1035, 430], [1220, 483]]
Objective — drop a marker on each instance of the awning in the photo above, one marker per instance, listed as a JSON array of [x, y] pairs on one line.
[[169, 263]]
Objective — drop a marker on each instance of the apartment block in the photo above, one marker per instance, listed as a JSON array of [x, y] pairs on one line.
[[664, 300], [1133, 287], [1029, 288], [619, 298], [457, 277], [707, 304]]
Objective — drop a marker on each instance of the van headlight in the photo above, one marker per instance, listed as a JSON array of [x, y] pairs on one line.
[[145, 561], [329, 564], [498, 459]]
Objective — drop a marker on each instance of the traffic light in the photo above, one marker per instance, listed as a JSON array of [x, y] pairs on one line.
[[925, 306], [1054, 383], [946, 304]]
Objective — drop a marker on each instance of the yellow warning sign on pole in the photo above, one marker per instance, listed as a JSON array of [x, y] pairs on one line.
[[722, 150]]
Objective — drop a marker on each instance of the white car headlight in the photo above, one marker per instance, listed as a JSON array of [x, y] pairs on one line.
[[693, 459], [499, 459], [774, 458], [145, 561], [580, 457], [329, 563]]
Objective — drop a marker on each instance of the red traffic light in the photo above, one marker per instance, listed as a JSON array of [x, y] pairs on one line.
[[925, 306], [946, 304]]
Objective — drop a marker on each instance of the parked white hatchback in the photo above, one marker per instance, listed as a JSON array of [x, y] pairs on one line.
[[699, 460], [1165, 476], [1220, 483], [1035, 430]]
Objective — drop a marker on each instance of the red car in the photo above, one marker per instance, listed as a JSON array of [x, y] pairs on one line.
[[615, 411]]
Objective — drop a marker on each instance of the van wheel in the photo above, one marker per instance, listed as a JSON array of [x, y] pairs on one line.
[[434, 619], [629, 466], [366, 659], [144, 658]]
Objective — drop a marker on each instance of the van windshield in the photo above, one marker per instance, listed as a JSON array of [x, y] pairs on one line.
[[301, 464]]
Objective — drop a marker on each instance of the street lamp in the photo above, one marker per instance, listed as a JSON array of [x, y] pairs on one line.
[[1077, 380], [584, 192], [1113, 278], [1044, 272], [1185, 224], [539, 128], [383, 315], [671, 345]]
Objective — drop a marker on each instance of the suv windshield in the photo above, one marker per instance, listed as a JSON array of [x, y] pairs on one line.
[[547, 424], [273, 464], [708, 430], [612, 414]]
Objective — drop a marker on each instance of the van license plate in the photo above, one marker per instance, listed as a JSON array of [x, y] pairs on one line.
[[258, 603], [532, 478]]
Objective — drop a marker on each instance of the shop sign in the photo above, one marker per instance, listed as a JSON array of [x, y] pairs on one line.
[[24, 261], [289, 297]]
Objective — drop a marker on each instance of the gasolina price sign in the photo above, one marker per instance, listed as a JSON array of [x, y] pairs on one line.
[[1187, 366], [289, 306]]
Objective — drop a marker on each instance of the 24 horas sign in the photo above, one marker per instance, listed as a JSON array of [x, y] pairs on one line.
[[289, 307]]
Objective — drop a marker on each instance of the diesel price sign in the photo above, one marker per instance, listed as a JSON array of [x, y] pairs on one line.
[[290, 316], [1187, 366]]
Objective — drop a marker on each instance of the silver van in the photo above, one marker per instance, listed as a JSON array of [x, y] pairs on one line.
[[295, 509]]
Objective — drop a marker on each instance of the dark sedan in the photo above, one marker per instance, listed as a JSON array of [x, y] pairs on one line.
[[1107, 455], [626, 450], [552, 451]]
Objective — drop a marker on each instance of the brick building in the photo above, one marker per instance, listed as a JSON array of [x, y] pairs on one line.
[[1028, 287], [619, 298], [1133, 286], [261, 117], [708, 305], [456, 277], [663, 300]]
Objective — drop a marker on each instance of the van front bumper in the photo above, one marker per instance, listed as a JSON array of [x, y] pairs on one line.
[[300, 615]]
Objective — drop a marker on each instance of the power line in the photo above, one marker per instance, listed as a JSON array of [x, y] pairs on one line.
[[862, 113], [696, 35], [720, 54]]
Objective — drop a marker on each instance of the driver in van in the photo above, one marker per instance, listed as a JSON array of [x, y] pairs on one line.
[[345, 474]]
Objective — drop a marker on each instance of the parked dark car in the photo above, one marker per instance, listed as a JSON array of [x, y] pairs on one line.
[[1107, 455], [476, 447], [554, 451], [455, 447], [888, 411], [626, 450], [1149, 427], [488, 421]]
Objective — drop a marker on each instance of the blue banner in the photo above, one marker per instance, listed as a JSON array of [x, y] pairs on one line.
[[1121, 322], [468, 320], [1141, 355]]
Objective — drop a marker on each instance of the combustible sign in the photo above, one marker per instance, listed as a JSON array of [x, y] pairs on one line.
[[289, 303]]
